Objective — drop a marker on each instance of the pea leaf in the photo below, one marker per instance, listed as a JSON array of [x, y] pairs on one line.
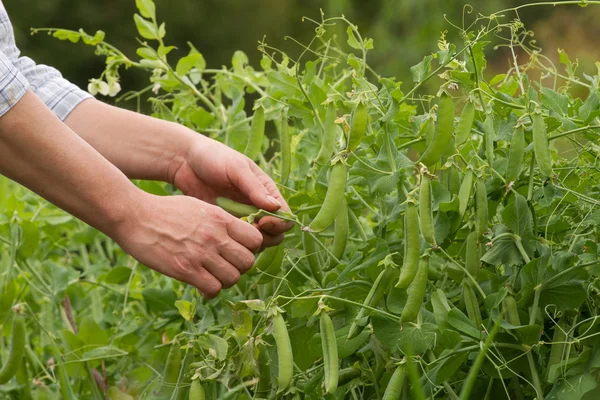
[[459, 321], [573, 388], [159, 300], [421, 70], [186, 310], [352, 41], [147, 8], [557, 102], [146, 29]]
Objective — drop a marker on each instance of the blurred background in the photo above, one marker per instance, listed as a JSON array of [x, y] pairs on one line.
[[403, 30]]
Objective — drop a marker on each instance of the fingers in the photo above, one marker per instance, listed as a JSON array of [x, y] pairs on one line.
[[274, 226], [270, 240], [206, 283], [252, 187], [245, 234], [238, 256], [227, 274]]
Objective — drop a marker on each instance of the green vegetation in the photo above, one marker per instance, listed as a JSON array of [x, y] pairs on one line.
[[493, 177]]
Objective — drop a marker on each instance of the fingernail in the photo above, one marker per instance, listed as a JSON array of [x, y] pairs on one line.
[[267, 226], [273, 201]]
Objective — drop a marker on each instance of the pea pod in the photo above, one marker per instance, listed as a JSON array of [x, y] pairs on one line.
[[472, 258], [311, 250], [471, 305], [286, 150], [511, 311], [464, 193], [465, 123], [329, 136], [541, 148], [490, 137], [453, 180], [275, 266], [425, 212], [263, 261], [481, 208], [264, 370], [347, 375], [372, 300], [441, 308], [333, 198], [330, 353], [172, 369], [393, 391], [340, 235], [358, 127], [515, 156], [416, 292], [412, 246], [443, 132], [284, 352], [197, 391], [17, 349], [558, 346], [66, 391], [257, 134], [241, 210]]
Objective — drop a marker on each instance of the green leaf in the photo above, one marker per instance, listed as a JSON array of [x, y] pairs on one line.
[[239, 61], [352, 41], [146, 29], [242, 322], [459, 321], [443, 371], [147, 52], [30, 239], [421, 70], [185, 64], [186, 309], [147, 8], [393, 336], [159, 300], [573, 388], [91, 333], [117, 276], [557, 102], [503, 251]]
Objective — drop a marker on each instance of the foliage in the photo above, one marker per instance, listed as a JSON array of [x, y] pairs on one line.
[[506, 284]]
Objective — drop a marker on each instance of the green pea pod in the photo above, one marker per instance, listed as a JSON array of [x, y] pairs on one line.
[[257, 134], [171, 371], [443, 132], [197, 391], [511, 311], [372, 300], [558, 346], [472, 258], [515, 156], [347, 375], [17, 349], [425, 212], [275, 267], [441, 308], [286, 150], [263, 261], [541, 148], [284, 352], [416, 292], [241, 210], [183, 381], [490, 137], [358, 127], [311, 250], [66, 391], [264, 370], [393, 391], [464, 193], [453, 180], [333, 198], [471, 305], [330, 353], [412, 246], [329, 136], [465, 123], [481, 208], [340, 235]]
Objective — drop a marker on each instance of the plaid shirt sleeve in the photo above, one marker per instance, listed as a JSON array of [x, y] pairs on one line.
[[17, 74]]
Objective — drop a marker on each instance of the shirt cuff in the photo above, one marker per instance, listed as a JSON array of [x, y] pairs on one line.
[[13, 85], [61, 96]]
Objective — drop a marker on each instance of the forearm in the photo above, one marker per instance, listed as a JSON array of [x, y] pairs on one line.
[[141, 146], [40, 152]]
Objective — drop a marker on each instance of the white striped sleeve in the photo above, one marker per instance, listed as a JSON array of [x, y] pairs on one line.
[[13, 85]]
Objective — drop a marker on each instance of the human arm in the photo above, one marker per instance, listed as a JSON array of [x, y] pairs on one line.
[[178, 236], [148, 148]]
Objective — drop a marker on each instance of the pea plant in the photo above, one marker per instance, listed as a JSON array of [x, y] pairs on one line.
[[445, 240]]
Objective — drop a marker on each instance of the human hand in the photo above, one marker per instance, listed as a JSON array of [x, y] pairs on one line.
[[189, 240], [212, 169]]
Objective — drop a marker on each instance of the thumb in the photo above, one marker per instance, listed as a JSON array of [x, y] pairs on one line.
[[252, 187]]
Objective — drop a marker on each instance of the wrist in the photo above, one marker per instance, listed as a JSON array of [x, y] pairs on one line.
[[181, 155]]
